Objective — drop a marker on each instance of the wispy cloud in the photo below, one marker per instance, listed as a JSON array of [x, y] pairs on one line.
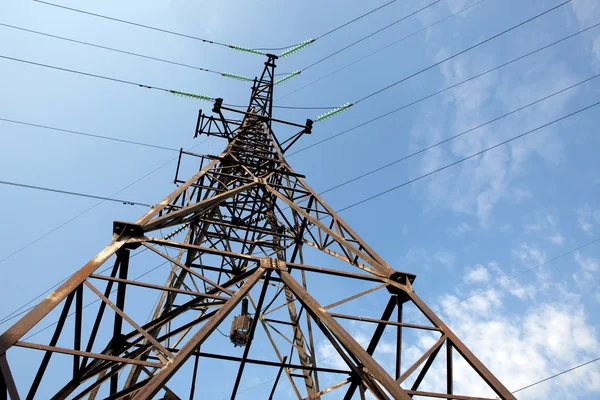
[[584, 276], [478, 274], [558, 239], [481, 184], [586, 217], [519, 350]]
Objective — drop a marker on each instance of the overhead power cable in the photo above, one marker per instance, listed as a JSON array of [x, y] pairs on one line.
[[371, 35], [256, 50], [348, 105], [558, 374], [355, 19], [224, 74], [372, 197], [94, 301], [195, 96], [444, 89], [383, 48], [473, 155], [376, 169], [463, 51], [88, 134], [362, 124], [296, 73], [22, 310], [204, 40], [423, 150], [22, 185], [392, 163], [20, 249]]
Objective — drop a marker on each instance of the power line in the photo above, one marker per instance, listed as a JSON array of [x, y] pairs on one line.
[[444, 89], [175, 92], [458, 135], [348, 105], [121, 51], [347, 130], [87, 134], [20, 249], [385, 47], [93, 302], [85, 73], [558, 374], [208, 41], [420, 151], [256, 50], [467, 158], [370, 35], [462, 52], [355, 19], [22, 185], [16, 312]]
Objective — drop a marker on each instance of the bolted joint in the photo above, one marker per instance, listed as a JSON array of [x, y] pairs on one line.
[[273, 263], [400, 284], [128, 229], [122, 230]]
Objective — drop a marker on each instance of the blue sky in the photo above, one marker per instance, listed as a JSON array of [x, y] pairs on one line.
[[460, 230]]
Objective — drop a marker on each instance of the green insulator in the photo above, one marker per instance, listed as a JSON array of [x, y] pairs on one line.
[[191, 95], [287, 77], [297, 48], [333, 112], [238, 77], [247, 50]]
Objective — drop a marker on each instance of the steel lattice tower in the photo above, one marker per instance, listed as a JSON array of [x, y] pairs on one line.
[[242, 228]]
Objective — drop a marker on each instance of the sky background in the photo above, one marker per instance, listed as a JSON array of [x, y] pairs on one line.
[[460, 230]]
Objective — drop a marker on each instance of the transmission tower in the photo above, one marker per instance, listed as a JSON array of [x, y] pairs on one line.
[[255, 262]]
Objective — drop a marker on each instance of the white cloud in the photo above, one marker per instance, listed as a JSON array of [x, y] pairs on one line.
[[460, 229], [587, 266], [532, 228], [587, 263], [515, 287], [483, 182], [587, 13], [479, 274], [586, 216], [404, 230], [548, 338], [558, 239], [529, 256], [505, 228], [446, 258], [540, 339], [328, 355]]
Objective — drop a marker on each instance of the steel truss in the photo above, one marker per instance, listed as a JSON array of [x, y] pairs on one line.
[[241, 227]]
